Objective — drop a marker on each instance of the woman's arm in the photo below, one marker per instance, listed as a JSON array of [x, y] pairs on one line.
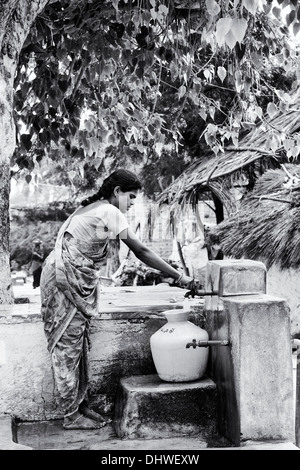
[[149, 257]]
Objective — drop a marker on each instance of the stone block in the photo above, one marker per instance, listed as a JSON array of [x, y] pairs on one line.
[[236, 277], [148, 408], [259, 334], [254, 373]]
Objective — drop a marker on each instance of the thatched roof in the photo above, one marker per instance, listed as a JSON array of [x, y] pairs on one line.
[[267, 225], [218, 174]]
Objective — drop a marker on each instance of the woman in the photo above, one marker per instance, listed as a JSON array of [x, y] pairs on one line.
[[69, 287], [36, 263]]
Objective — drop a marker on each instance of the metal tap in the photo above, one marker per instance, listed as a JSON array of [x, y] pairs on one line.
[[205, 344], [197, 289]]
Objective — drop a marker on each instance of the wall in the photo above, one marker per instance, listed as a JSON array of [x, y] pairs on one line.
[[120, 347], [286, 284]]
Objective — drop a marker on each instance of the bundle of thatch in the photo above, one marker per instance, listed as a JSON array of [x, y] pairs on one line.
[[267, 224]]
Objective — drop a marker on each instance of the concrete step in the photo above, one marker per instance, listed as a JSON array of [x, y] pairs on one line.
[[148, 408]]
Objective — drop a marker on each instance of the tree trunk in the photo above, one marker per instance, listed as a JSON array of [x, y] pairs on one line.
[[16, 18]]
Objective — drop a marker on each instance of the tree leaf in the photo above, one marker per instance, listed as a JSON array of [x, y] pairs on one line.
[[296, 28], [181, 91], [230, 39], [212, 7], [71, 174], [203, 114], [276, 12], [221, 71], [272, 109], [26, 141], [207, 74], [89, 125], [258, 111], [222, 27], [290, 17], [239, 27], [251, 5], [94, 141]]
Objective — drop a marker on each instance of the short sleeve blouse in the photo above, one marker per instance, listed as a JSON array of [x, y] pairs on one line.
[[98, 221]]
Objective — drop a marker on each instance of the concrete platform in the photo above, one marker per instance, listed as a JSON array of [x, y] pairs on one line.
[[147, 407], [50, 435]]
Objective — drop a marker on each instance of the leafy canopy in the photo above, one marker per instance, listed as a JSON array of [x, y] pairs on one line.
[[146, 83]]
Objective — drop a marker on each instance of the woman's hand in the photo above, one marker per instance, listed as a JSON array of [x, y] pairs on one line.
[[185, 281]]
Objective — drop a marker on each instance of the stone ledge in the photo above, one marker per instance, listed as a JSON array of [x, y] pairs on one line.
[[6, 440], [130, 310]]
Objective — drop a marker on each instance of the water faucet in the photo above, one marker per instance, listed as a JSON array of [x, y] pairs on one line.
[[205, 344]]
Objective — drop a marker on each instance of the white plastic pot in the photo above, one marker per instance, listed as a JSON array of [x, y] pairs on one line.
[[174, 362]]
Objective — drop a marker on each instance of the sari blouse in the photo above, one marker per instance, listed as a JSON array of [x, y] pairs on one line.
[[81, 249]]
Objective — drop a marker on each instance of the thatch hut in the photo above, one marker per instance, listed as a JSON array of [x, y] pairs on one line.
[[221, 174], [262, 223]]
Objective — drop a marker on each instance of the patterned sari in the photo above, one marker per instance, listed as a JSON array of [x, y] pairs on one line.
[[69, 283]]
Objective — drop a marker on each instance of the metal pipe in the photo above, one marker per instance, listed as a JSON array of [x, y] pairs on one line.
[[205, 344], [203, 293], [200, 293]]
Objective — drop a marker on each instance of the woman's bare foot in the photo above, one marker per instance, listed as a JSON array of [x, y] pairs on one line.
[[79, 421], [86, 411]]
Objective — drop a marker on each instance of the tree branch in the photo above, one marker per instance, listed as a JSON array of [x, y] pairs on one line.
[[272, 199], [250, 149]]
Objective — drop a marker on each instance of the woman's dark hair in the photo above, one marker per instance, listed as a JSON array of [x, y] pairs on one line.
[[127, 181]]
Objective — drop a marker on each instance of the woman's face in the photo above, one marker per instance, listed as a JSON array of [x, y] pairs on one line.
[[126, 199]]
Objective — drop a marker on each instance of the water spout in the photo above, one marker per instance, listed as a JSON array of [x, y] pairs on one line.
[[205, 344]]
